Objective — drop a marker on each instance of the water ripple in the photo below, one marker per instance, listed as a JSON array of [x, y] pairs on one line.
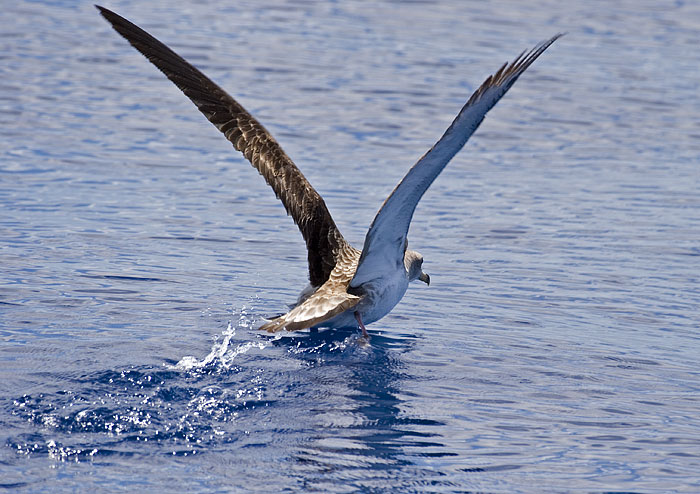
[[555, 350]]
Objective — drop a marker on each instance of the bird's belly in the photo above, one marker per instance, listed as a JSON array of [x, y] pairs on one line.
[[377, 302], [380, 301]]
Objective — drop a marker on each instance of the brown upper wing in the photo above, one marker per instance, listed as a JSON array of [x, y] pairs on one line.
[[302, 202]]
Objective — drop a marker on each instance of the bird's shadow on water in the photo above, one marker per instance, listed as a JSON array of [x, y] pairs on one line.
[[329, 391]]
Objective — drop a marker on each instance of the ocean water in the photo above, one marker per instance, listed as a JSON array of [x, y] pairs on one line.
[[556, 349]]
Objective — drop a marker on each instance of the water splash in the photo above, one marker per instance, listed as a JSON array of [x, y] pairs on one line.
[[220, 356]]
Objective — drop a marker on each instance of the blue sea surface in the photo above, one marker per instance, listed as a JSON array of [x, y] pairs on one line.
[[557, 348]]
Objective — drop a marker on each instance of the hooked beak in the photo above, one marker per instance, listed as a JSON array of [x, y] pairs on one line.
[[424, 278]]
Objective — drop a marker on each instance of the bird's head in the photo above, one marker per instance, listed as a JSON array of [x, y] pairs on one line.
[[414, 266]]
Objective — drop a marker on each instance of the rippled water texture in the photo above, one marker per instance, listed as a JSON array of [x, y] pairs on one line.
[[556, 349]]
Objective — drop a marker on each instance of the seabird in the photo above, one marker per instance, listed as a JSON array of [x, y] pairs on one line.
[[347, 287]]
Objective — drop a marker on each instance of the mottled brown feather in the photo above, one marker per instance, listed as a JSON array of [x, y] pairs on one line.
[[306, 207], [328, 301]]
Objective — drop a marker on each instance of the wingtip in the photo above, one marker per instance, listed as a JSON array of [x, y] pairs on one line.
[[108, 14], [544, 44], [554, 38]]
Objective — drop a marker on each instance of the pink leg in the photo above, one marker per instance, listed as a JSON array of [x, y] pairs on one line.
[[362, 326]]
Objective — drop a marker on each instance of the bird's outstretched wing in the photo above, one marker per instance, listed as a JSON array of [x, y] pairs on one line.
[[385, 242], [302, 202]]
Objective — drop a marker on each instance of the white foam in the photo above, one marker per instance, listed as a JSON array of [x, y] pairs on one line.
[[220, 355]]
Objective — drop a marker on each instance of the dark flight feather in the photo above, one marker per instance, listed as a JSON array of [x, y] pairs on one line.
[[306, 207]]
